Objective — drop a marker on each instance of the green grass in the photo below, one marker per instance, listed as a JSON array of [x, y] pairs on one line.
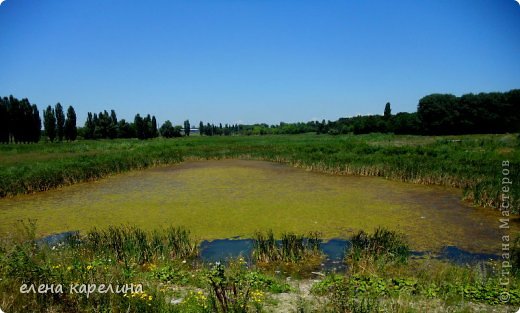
[[375, 282], [412, 286], [472, 163]]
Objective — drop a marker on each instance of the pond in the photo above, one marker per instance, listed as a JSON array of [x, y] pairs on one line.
[[235, 198], [334, 251]]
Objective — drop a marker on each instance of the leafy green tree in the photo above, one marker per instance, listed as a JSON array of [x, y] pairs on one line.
[[36, 124], [208, 129], [322, 127], [187, 127], [49, 122], [139, 127], [20, 121], [512, 111], [60, 121], [102, 122], [113, 117], [388, 111], [154, 132], [177, 131], [405, 123], [494, 112], [167, 130], [89, 127], [4, 121], [201, 128], [15, 119], [147, 124], [369, 124], [125, 130], [71, 131], [112, 126], [438, 114], [95, 121], [25, 122]]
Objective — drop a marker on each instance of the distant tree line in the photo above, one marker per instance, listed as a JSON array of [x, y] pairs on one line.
[[106, 126], [401, 123], [145, 127], [218, 130], [440, 114], [494, 112], [256, 129], [437, 114], [280, 129], [19, 121]]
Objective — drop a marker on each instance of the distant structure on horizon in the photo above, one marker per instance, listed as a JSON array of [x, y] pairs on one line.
[[192, 130]]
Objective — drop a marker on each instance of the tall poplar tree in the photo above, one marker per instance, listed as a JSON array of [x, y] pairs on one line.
[[71, 131], [60, 121], [49, 122], [4, 121], [139, 126], [36, 124], [187, 127], [154, 131], [388, 111]]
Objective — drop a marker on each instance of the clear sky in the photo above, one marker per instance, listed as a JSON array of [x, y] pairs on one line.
[[254, 60]]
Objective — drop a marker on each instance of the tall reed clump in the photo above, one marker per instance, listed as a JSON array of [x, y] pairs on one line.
[[382, 247], [293, 254], [130, 243], [291, 247]]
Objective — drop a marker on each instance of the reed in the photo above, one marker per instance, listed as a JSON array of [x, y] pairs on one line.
[[383, 244], [132, 244], [290, 248], [472, 163]]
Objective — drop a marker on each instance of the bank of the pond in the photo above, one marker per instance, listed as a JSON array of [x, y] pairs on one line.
[[334, 251], [165, 275], [226, 198], [472, 163]]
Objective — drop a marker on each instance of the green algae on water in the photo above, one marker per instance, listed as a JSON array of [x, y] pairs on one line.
[[228, 198]]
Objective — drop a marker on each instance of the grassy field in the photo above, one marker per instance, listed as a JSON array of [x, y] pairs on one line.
[[472, 163]]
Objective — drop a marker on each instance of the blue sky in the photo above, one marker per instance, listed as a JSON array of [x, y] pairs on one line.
[[254, 61]]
